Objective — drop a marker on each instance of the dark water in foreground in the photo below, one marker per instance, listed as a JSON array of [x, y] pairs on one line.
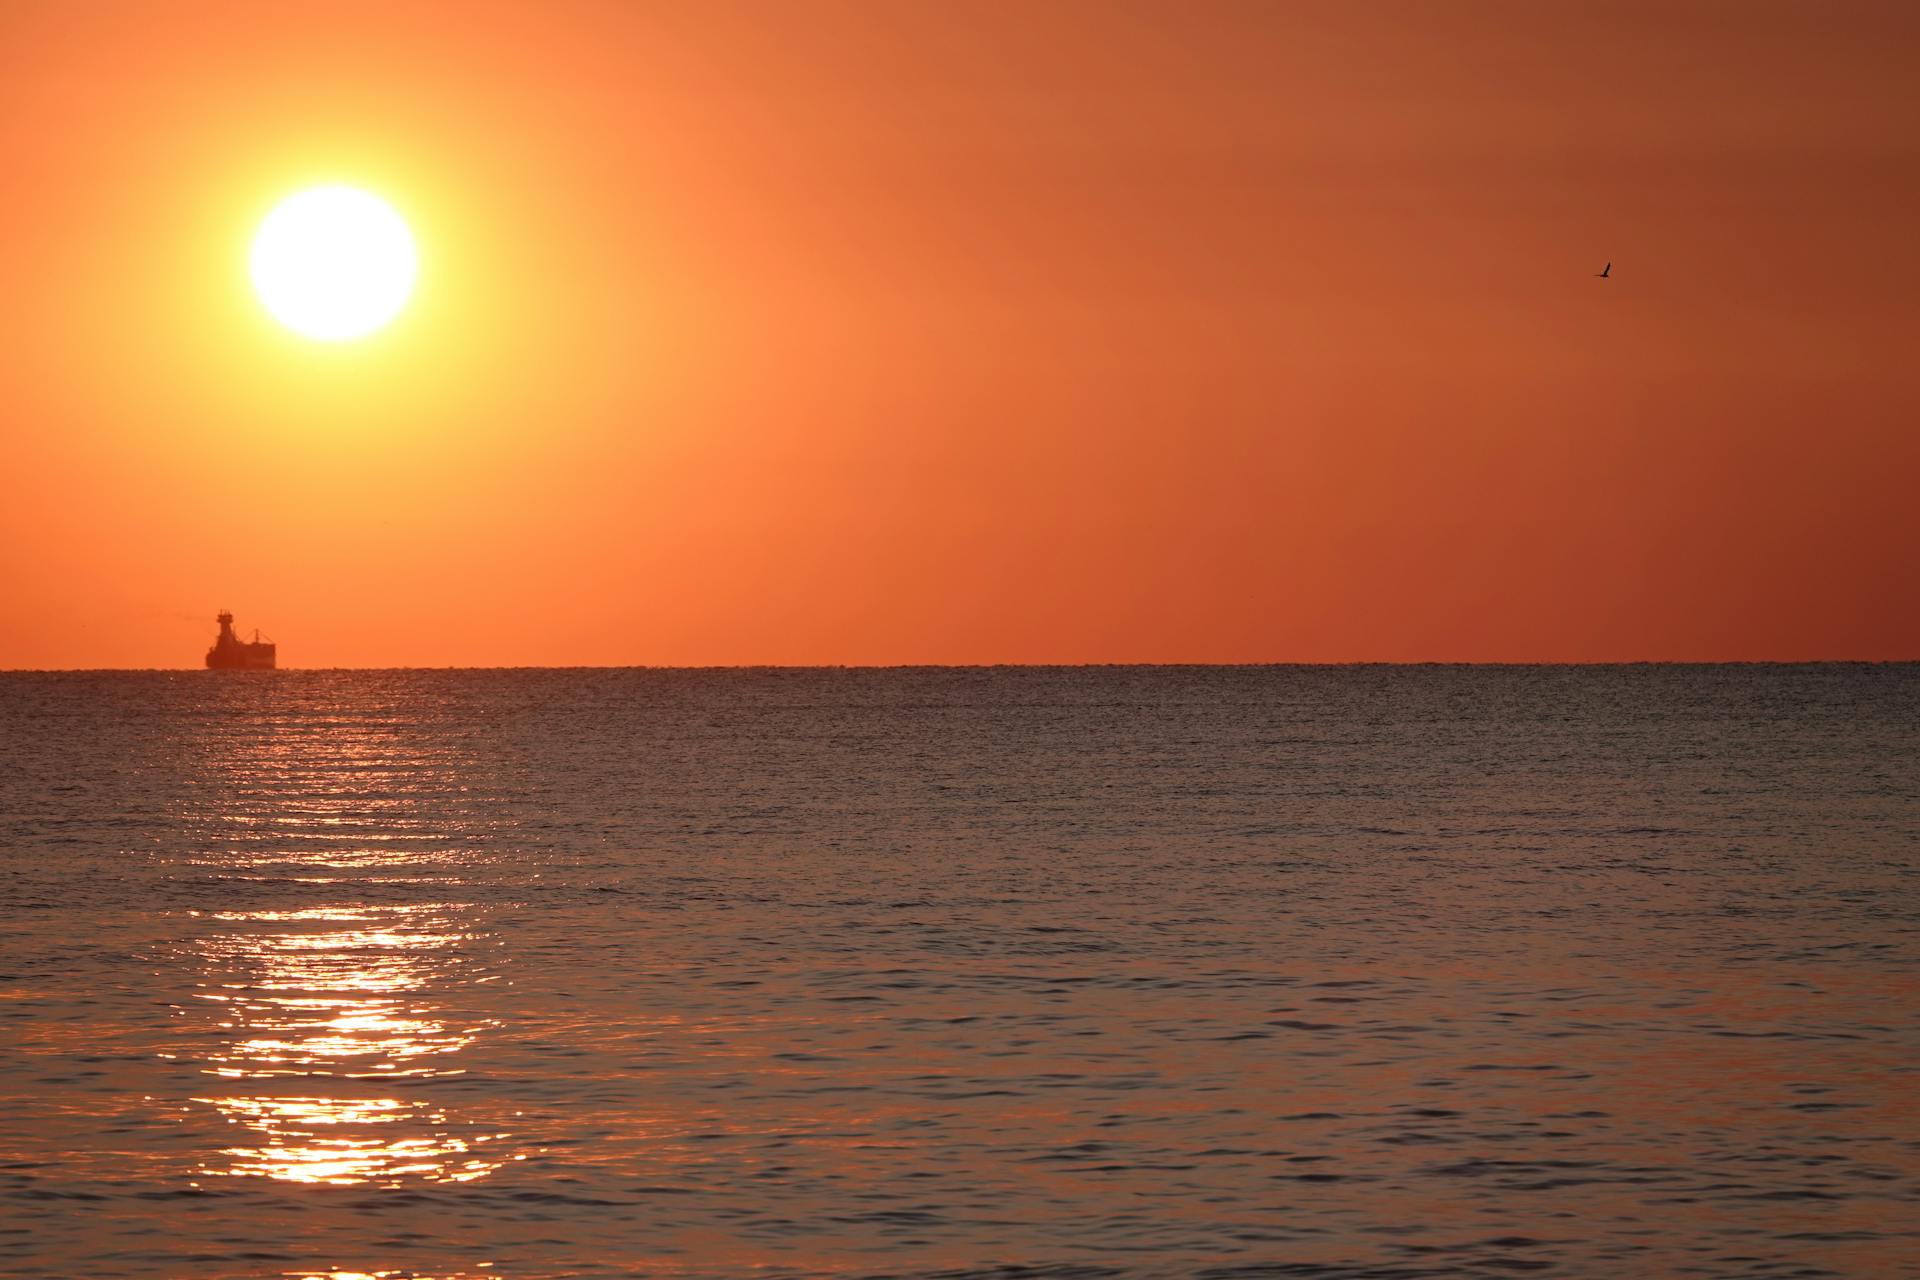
[[1115, 972]]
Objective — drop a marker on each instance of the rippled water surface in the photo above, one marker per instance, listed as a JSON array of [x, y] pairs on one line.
[[1222, 972]]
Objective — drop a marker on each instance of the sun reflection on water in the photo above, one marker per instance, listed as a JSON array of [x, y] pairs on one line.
[[392, 1275], [294, 1149], [347, 1000]]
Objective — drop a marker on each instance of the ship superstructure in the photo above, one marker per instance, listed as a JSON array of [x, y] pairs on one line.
[[231, 653]]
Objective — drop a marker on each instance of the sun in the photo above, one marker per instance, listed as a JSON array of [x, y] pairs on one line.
[[333, 263]]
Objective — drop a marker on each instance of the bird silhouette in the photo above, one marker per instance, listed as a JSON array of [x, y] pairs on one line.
[[1604, 274]]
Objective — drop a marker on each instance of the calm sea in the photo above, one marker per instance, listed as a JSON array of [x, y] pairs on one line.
[[1224, 972]]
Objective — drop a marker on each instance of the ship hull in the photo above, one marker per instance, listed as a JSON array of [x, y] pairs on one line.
[[250, 657]]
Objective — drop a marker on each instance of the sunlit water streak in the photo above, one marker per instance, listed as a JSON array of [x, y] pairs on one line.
[[337, 998], [1356, 973]]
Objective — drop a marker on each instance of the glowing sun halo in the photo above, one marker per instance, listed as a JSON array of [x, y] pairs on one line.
[[333, 263]]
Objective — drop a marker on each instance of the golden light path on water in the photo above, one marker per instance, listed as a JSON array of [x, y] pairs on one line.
[[337, 1007], [338, 957], [388, 1275]]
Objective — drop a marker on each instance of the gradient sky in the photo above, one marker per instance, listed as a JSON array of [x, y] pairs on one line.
[[898, 332]]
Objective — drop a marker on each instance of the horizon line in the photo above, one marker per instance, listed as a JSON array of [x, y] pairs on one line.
[[1004, 666]]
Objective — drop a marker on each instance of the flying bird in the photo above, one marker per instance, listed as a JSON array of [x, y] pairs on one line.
[[1605, 273]]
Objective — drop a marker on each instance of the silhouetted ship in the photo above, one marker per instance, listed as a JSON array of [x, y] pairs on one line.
[[231, 653]]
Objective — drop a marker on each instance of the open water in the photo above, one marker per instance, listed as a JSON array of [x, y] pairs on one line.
[[1131, 972]]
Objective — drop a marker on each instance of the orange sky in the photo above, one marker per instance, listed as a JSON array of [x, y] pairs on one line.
[[896, 332]]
